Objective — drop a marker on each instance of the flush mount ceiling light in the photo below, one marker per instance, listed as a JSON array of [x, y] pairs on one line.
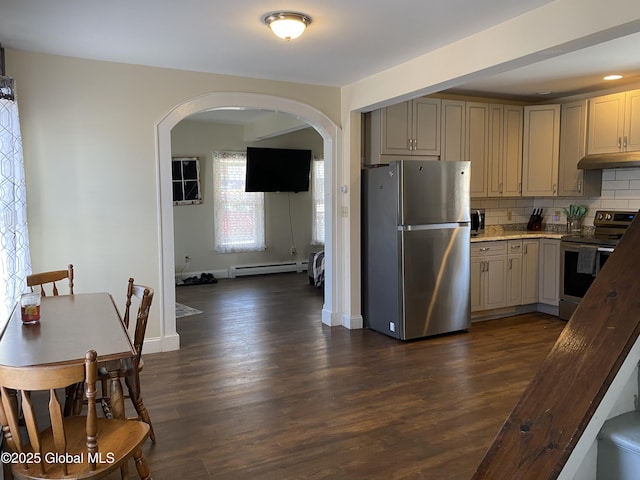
[[613, 77], [287, 25]]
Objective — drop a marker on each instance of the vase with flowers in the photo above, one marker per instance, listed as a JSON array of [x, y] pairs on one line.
[[575, 215]]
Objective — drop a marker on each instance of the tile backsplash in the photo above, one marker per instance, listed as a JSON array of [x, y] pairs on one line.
[[620, 191]]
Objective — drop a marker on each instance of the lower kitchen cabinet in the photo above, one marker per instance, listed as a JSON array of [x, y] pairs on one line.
[[549, 268], [530, 270], [522, 272], [514, 273], [488, 275], [508, 273]]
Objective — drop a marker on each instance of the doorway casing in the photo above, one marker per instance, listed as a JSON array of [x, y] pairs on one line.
[[331, 135]]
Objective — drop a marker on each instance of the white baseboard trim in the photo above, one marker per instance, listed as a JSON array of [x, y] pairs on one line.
[[352, 323], [330, 318], [161, 344], [259, 269]]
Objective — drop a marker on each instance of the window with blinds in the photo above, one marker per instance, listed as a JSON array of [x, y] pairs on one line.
[[238, 215]]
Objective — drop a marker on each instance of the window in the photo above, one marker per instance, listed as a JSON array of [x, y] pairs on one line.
[[239, 215], [185, 172], [317, 189]]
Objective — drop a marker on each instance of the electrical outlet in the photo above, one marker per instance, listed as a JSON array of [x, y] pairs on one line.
[[392, 326]]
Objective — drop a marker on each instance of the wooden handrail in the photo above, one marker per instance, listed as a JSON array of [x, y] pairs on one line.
[[539, 435]]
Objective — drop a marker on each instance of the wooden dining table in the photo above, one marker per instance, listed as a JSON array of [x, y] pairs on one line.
[[69, 326]]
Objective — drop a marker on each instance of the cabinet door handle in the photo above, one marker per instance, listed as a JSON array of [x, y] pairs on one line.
[[579, 186], [500, 188], [526, 249], [555, 187], [624, 144], [619, 142], [515, 247], [484, 249], [519, 187], [511, 264]]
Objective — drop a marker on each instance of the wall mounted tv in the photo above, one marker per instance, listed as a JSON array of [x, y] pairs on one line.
[[277, 170]]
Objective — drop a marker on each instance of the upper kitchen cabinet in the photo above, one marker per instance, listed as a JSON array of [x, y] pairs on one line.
[[614, 123], [505, 150], [452, 130], [404, 130], [477, 146], [540, 151], [574, 182]]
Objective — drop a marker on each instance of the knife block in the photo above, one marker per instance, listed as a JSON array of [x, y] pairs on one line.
[[535, 223]]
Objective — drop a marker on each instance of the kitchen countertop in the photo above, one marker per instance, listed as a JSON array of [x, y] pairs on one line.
[[494, 232]]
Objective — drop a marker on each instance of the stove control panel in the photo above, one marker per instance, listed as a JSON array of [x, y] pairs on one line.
[[611, 218]]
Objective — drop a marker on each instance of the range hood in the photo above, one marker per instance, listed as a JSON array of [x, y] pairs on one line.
[[599, 161]]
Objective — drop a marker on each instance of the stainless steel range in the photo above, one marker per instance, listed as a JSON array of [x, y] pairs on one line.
[[582, 256]]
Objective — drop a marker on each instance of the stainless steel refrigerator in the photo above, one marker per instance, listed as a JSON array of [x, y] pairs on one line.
[[416, 247]]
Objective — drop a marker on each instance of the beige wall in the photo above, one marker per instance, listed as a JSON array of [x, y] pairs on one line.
[[89, 140], [193, 224]]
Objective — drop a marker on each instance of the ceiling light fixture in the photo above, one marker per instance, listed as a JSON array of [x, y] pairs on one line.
[[613, 77], [287, 25]]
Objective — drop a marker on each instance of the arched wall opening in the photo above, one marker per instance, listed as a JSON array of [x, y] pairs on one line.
[[331, 135]]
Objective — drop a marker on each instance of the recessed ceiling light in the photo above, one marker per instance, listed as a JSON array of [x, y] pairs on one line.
[[613, 77], [545, 93]]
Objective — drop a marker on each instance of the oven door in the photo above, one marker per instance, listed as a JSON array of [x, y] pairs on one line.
[[574, 285]]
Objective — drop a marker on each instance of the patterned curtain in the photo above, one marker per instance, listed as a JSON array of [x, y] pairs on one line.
[[15, 263]]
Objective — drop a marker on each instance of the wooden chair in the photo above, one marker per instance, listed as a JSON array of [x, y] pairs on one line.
[[144, 296], [72, 447], [43, 278]]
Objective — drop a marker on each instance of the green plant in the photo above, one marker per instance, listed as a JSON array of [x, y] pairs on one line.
[[575, 212]]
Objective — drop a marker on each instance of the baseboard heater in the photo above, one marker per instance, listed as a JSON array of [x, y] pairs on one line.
[[243, 270]]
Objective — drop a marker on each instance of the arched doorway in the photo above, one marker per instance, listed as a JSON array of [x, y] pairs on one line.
[[331, 135]]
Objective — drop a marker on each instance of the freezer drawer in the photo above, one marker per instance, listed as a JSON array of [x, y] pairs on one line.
[[435, 281]]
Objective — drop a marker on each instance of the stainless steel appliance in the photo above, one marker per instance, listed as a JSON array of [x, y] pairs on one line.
[[583, 256], [477, 221], [416, 248]]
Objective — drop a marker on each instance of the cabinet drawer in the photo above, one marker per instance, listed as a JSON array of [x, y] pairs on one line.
[[514, 247], [484, 249]]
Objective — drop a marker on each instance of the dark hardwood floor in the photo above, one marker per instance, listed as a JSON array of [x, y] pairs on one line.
[[261, 389]]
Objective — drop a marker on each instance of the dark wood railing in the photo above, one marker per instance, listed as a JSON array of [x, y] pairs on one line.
[[539, 435]]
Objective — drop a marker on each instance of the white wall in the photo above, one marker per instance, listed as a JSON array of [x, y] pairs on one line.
[[193, 224]]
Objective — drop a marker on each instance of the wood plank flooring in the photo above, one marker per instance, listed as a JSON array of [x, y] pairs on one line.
[[261, 389]]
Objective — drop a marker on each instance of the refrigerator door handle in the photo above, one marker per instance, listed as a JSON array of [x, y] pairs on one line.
[[434, 226]]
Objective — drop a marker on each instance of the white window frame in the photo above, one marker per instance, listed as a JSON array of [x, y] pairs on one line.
[[235, 209], [317, 199], [186, 184]]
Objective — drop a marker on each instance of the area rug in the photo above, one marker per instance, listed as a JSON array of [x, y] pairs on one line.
[[185, 311]]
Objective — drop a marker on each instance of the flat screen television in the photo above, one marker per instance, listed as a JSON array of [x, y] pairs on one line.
[[277, 170]]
